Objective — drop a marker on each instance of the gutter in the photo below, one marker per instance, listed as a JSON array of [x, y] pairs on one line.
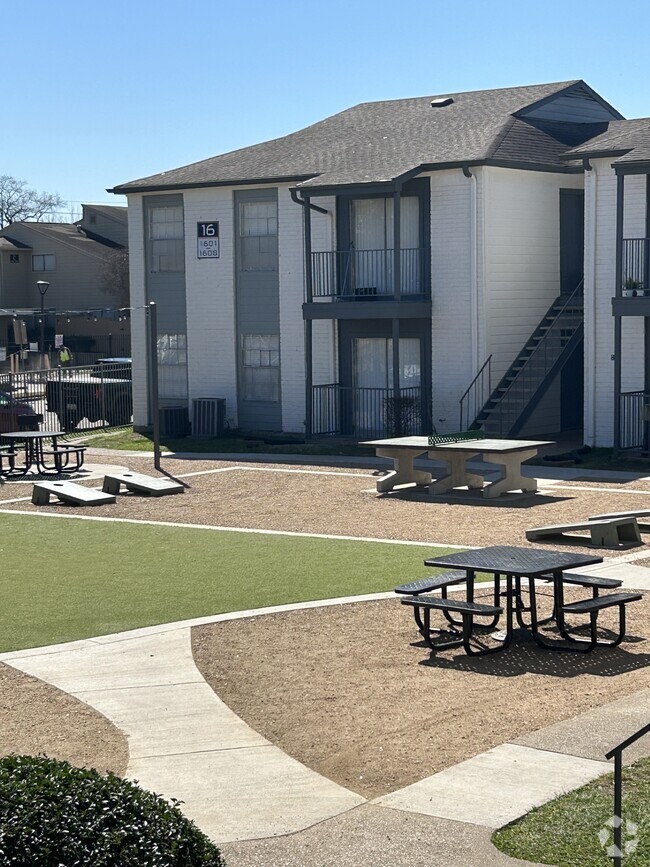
[[294, 198]]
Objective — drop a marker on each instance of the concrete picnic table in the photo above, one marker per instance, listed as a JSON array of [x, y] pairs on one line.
[[507, 455]]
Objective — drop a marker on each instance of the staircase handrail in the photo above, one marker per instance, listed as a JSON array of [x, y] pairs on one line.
[[487, 363], [575, 294]]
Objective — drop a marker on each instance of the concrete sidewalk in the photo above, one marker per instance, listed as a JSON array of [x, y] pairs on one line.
[[265, 808]]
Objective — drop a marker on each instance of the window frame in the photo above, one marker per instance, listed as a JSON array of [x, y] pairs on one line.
[[268, 359], [169, 242], [44, 257]]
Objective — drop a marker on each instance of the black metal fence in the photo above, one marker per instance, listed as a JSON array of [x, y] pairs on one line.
[[636, 262], [631, 428], [367, 273], [369, 412], [68, 398]]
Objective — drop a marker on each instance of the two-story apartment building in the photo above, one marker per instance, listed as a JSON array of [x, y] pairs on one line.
[[399, 265]]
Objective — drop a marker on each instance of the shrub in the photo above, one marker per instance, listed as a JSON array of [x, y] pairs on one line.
[[55, 815]]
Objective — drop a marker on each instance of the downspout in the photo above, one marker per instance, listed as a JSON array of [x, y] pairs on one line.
[[294, 198], [590, 360], [397, 294], [618, 324], [473, 259]]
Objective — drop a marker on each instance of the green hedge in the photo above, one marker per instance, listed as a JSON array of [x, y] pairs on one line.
[[55, 815]]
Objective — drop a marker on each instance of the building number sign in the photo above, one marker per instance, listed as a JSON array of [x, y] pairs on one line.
[[207, 240]]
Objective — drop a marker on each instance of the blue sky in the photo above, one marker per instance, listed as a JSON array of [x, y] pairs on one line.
[[96, 94]]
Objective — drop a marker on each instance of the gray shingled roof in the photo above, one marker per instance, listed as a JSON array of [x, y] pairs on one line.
[[629, 138], [380, 141], [9, 244], [116, 212], [66, 233]]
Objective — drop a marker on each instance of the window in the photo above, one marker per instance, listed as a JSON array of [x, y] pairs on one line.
[[166, 239], [172, 349], [258, 231], [14, 258], [261, 367], [44, 263]]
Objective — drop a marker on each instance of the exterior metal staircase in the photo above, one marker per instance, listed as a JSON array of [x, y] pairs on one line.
[[529, 377]]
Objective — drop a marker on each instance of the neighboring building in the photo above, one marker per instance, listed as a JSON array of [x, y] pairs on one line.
[[434, 244], [73, 259]]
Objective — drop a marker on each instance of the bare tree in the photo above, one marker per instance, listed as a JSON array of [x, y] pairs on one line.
[[18, 203], [115, 275]]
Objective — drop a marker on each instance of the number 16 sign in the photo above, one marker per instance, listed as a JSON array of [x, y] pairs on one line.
[[207, 240]]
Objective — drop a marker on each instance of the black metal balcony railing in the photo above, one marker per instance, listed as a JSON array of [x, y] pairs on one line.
[[367, 273], [369, 412], [633, 406], [636, 266]]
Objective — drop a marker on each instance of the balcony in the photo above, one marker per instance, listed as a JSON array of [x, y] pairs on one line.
[[633, 299], [366, 275], [369, 412]]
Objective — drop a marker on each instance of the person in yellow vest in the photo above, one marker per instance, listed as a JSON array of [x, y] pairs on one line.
[[65, 357]]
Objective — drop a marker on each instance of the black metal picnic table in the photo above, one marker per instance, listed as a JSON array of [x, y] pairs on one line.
[[514, 563], [34, 453]]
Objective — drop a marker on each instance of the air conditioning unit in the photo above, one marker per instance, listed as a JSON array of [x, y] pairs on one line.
[[174, 421], [209, 416]]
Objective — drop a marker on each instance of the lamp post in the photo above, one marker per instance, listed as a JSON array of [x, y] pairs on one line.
[[43, 286]]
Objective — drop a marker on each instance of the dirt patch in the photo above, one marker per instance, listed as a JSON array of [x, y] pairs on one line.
[[354, 693], [37, 718], [337, 501]]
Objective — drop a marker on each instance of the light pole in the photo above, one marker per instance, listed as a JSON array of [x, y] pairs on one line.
[[43, 286]]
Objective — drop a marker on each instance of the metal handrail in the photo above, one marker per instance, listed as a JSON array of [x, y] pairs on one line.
[[480, 375], [529, 372]]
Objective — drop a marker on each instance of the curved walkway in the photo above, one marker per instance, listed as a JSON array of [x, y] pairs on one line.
[[184, 742]]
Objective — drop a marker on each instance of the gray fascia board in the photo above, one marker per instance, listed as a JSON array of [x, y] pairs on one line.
[[631, 306], [504, 164], [347, 189], [595, 154], [125, 189], [641, 167], [367, 310]]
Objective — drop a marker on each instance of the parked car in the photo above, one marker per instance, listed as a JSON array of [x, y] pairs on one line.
[[11, 411]]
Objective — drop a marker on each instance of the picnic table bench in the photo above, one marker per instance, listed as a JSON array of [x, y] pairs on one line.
[[467, 610]]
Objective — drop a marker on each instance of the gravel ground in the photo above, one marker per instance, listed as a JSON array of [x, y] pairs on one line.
[[344, 502]]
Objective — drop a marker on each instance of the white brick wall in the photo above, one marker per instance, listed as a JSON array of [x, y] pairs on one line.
[[139, 321], [600, 277], [212, 364], [522, 256], [451, 292]]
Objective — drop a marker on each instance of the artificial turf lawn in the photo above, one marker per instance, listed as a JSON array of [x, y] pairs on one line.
[[64, 579], [565, 832]]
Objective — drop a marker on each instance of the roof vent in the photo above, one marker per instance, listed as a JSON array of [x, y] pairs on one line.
[[441, 101]]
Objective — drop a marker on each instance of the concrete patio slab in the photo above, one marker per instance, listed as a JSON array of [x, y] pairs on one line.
[[243, 794], [371, 836], [592, 734], [496, 787]]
